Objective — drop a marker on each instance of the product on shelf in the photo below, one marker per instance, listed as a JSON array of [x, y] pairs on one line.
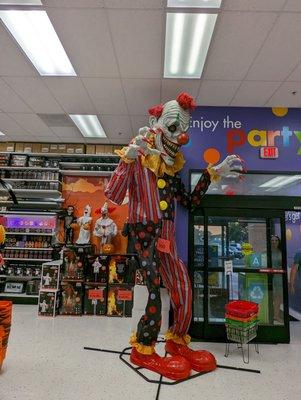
[[71, 303], [4, 160], [122, 269], [33, 287], [97, 269], [14, 287], [50, 278], [18, 160], [120, 301], [48, 303], [95, 299], [36, 161], [73, 265]]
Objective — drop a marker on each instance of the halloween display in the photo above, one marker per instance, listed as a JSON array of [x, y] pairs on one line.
[[149, 171], [69, 221], [84, 223], [105, 228]]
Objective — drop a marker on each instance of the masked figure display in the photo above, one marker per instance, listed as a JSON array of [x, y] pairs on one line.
[[149, 170], [84, 223], [69, 221]]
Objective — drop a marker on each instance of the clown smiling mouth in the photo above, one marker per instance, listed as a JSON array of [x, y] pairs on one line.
[[170, 147]]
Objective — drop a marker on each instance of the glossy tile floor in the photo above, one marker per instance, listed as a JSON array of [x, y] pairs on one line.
[[46, 361]]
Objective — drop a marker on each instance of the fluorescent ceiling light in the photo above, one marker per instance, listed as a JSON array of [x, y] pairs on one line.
[[22, 2], [194, 3], [280, 181], [187, 40], [2, 134], [34, 32], [89, 125]]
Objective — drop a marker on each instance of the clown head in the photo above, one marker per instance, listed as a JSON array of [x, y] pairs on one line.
[[104, 210], [170, 123]]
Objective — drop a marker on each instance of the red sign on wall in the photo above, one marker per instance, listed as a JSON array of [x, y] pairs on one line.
[[269, 152]]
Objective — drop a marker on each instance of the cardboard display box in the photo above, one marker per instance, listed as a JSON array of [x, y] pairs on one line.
[[95, 299], [48, 303], [97, 269], [120, 301], [71, 300], [73, 267], [122, 269], [50, 278]]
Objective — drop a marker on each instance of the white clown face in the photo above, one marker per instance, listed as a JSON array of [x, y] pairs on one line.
[[170, 127]]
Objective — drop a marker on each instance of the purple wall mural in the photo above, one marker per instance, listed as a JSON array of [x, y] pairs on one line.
[[216, 132]]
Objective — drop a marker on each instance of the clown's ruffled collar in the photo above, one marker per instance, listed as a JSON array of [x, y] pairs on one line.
[[156, 164]]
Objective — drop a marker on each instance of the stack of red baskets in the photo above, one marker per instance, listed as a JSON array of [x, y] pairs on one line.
[[241, 321], [5, 323]]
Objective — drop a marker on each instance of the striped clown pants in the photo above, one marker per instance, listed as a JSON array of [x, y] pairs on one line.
[[173, 273]]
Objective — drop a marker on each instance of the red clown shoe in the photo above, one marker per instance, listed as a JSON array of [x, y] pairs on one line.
[[200, 360], [175, 367]]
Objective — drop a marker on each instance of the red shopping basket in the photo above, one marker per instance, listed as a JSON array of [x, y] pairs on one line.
[[242, 308]]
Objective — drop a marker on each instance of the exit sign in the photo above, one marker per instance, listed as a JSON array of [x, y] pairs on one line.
[[269, 152]]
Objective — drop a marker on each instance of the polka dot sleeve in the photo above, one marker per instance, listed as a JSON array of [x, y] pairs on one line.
[[192, 200]]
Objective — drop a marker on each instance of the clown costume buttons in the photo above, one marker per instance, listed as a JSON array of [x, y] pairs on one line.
[[161, 183], [163, 205]]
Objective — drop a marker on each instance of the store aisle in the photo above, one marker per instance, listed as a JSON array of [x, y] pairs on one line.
[[46, 361]]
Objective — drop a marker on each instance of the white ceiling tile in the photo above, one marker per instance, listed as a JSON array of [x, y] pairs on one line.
[[115, 124], [67, 132], [295, 75], [85, 35], [17, 137], [281, 52], [141, 94], [293, 5], [139, 121], [134, 3], [32, 123], [138, 39], [171, 88], [107, 95], [9, 126], [97, 141], [254, 94], [237, 40], [35, 93], [284, 97], [70, 94], [217, 93], [253, 5], [10, 101], [13, 61], [74, 3]]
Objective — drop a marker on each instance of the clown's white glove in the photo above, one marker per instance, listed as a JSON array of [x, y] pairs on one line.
[[230, 167], [140, 146]]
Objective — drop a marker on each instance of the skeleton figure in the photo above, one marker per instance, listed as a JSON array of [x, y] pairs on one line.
[[149, 170], [105, 228], [84, 223], [69, 220]]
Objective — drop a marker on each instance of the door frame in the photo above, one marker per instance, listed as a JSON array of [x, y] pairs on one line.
[[216, 332]]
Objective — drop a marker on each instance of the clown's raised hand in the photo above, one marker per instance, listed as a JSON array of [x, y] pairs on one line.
[[140, 145], [230, 167]]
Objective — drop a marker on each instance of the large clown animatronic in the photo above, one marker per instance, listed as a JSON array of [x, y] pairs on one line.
[[149, 171]]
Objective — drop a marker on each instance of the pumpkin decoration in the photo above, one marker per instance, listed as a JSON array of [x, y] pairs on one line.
[[108, 248], [87, 226], [2, 234]]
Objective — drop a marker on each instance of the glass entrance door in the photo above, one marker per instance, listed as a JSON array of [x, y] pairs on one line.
[[251, 246]]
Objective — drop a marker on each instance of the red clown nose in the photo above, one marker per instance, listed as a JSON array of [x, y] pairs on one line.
[[183, 139]]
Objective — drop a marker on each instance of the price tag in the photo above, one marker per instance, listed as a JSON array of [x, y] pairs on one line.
[[163, 245], [96, 294], [228, 267], [124, 295]]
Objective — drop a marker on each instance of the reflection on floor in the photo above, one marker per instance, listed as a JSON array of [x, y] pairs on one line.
[[46, 361]]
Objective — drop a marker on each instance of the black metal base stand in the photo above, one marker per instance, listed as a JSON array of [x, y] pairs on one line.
[[126, 353]]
